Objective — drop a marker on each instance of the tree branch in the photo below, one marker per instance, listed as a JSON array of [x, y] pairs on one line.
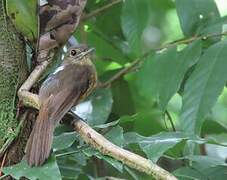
[[93, 138], [135, 161], [99, 10], [189, 40]]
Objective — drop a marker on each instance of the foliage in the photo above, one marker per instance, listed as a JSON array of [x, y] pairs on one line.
[[182, 83]]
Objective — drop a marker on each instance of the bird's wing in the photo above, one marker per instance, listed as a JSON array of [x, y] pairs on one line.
[[71, 90]]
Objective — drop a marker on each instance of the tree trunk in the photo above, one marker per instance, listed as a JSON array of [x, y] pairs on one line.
[[13, 70]]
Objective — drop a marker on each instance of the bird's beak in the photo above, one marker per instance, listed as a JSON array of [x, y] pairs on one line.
[[89, 51]]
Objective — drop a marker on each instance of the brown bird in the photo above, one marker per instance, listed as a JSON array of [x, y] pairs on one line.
[[72, 81]]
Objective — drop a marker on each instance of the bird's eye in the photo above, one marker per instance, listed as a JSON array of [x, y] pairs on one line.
[[73, 52]]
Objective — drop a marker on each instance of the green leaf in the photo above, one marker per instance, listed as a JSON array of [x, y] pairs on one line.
[[23, 14], [195, 15], [96, 109], [105, 51], [204, 162], [155, 146], [49, 170], [189, 173], [210, 167], [71, 166], [219, 139], [116, 164], [122, 98], [134, 19], [215, 26], [144, 123], [202, 167], [161, 77], [203, 87], [211, 127], [64, 141], [115, 135]]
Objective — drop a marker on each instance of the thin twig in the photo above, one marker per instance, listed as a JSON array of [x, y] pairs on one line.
[[99, 10], [165, 46], [119, 74], [124, 71], [189, 40]]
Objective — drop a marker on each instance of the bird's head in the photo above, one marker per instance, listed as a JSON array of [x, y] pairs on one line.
[[78, 54]]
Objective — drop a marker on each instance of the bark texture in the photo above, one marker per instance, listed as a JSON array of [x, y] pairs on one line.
[[13, 70]]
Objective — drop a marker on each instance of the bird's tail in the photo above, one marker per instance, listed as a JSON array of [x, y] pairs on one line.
[[39, 144]]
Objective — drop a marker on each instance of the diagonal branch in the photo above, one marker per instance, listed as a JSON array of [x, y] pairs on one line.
[[133, 160]]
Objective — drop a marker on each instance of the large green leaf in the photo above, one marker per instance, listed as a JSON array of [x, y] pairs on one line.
[[155, 146], [193, 173], [64, 140], [211, 167], [195, 15], [71, 166], [49, 170], [203, 87], [144, 123], [115, 135], [189, 173], [135, 16], [24, 16], [161, 77]]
